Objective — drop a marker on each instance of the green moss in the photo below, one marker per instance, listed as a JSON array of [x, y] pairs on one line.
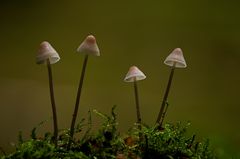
[[146, 142]]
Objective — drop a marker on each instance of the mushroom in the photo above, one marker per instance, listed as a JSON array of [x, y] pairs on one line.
[[134, 75], [48, 55], [87, 47], [174, 60]]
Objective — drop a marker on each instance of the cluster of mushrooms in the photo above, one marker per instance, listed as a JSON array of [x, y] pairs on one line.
[[48, 55]]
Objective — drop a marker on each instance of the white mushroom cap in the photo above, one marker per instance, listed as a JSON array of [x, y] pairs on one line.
[[176, 59], [134, 74], [46, 51], [89, 46]]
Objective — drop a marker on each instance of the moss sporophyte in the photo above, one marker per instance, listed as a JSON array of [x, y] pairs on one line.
[[160, 141]]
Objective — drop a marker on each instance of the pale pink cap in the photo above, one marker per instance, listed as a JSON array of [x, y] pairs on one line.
[[46, 51], [176, 59], [134, 74], [89, 46]]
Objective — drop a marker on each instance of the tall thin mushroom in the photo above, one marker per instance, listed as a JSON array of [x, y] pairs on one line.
[[134, 75], [48, 55], [174, 60], [87, 47]]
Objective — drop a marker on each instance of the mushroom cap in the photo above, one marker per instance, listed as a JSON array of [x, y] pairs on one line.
[[176, 59], [134, 74], [46, 51], [89, 46]]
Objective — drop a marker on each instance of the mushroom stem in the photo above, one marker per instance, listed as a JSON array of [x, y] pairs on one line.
[[164, 113], [160, 115], [74, 117], [137, 102], [53, 102]]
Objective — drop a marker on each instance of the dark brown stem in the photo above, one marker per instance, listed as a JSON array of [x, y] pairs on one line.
[[55, 125], [164, 113], [160, 115], [137, 102], [74, 116]]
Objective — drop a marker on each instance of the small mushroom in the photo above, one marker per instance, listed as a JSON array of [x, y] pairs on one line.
[[87, 47], [134, 75], [47, 52], [48, 55], [174, 60]]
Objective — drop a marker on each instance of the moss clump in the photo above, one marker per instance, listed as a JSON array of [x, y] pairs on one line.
[[140, 142]]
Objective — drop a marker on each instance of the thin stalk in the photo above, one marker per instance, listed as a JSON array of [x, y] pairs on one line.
[[164, 113], [74, 116], [137, 102], [55, 125], [160, 115]]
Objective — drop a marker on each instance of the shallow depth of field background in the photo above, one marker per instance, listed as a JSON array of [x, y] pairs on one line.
[[140, 33]]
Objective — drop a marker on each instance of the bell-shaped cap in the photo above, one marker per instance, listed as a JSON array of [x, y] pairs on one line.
[[176, 59], [134, 74], [46, 51], [89, 46]]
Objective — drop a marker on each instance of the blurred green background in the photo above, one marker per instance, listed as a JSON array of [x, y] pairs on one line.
[[140, 33]]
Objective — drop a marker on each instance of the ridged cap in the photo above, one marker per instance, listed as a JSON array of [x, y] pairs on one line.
[[134, 74], [176, 59], [89, 46], [46, 51]]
